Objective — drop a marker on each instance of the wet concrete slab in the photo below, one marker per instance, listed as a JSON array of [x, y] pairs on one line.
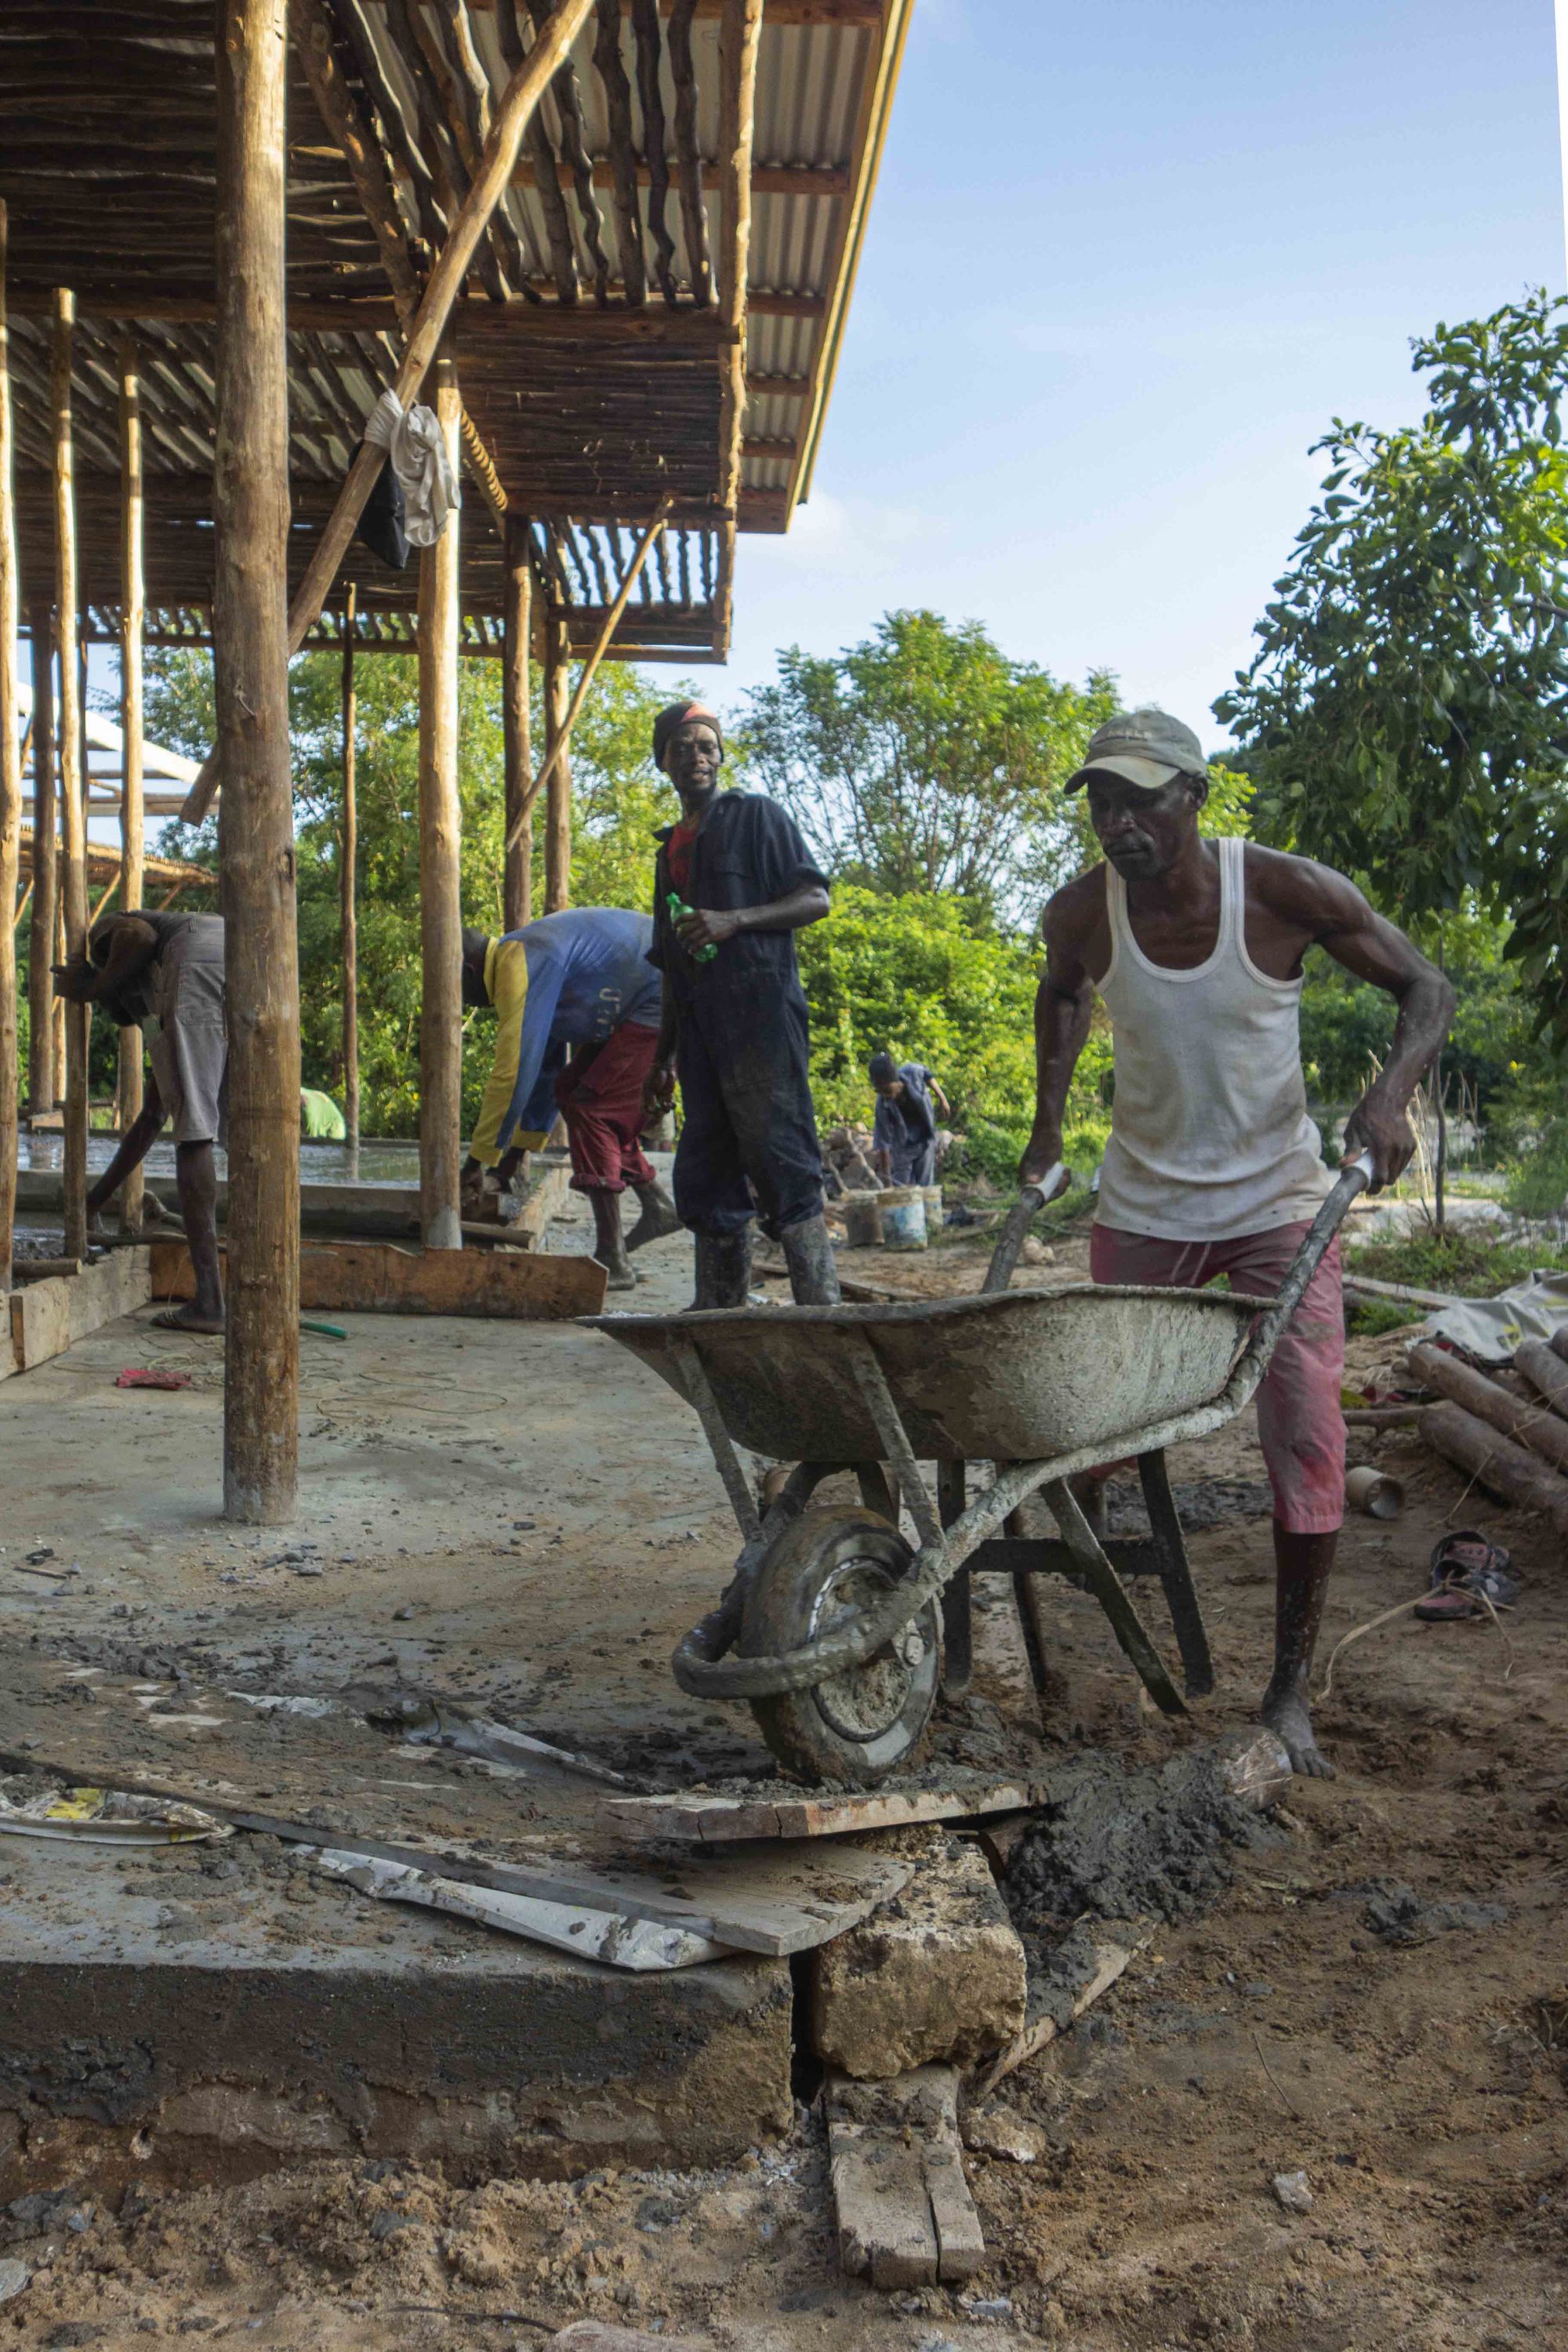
[[209, 2013]]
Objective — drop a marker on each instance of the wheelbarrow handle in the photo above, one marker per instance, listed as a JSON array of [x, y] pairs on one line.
[[1020, 1217], [1354, 1177]]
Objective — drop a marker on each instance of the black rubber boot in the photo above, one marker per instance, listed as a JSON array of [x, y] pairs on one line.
[[723, 1268], [808, 1253], [658, 1216]]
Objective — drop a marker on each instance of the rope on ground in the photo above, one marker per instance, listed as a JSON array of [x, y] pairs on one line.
[[1401, 1609]]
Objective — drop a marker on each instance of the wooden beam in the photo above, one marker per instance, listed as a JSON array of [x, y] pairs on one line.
[[562, 735], [688, 326], [497, 164], [440, 894], [558, 808], [758, 444], [10, 787], [740, 40], [767, 179], [73, 825], [348, 861], [132, 802], [43, 1072], [255, 828], [845, 15], [517, 885]]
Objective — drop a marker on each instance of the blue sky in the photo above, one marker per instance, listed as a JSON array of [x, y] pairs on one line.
[[1125, 262]]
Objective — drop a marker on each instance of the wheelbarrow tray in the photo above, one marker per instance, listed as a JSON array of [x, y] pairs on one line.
[[1016, 1375]]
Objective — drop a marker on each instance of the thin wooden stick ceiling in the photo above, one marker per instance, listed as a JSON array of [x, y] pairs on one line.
[[590, 347]]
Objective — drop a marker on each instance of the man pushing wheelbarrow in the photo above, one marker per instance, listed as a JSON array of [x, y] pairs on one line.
[[839, 1629], [1214, 1165]]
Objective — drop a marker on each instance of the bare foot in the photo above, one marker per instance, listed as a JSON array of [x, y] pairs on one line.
[[188, 1319], [1285, 1714], [621, 1276]]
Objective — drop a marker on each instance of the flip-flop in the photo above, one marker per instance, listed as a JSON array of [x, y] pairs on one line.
[[1465, 1566]]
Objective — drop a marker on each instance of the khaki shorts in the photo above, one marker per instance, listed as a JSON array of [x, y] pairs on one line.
[[189, 1046]]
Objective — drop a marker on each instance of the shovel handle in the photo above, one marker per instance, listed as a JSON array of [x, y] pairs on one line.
[[1020, 1217]]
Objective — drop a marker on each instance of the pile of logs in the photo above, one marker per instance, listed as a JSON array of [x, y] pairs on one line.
[[1513, 1439]]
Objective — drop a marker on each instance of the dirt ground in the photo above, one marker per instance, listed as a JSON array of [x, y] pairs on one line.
[[552, 1523]]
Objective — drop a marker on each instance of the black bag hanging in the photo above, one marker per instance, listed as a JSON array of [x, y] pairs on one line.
[[381, 524]]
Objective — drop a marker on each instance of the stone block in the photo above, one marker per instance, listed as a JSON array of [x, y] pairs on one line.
[[936, 1976]]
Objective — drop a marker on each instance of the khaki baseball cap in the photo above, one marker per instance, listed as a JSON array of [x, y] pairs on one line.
[[1145, 747]]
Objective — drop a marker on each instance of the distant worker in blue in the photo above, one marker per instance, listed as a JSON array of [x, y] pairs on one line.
[[582, 980], [734, 882], [903, 1138]]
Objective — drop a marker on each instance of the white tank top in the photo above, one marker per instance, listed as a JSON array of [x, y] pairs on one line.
[[1210, 1137]]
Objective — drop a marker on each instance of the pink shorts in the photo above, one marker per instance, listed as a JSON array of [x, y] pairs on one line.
[[1300, 1418]]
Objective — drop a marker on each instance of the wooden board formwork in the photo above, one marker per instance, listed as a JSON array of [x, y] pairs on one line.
[[388, 1278], [48, 1318]]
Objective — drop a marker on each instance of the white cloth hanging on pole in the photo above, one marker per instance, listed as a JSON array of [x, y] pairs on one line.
[[417, 453]]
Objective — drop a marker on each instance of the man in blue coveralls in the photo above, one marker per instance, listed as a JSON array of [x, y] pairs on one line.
[[732, 883], [582, 980], [903, 1140]]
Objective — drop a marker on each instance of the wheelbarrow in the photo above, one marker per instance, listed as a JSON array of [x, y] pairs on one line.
[[836, 1629]]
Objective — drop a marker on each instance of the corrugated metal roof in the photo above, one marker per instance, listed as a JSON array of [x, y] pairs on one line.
[[817, 85]]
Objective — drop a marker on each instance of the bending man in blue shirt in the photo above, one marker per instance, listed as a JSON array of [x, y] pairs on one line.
[[579, 980]]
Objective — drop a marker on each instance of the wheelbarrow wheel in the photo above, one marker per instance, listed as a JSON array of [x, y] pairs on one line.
[[858, 1726]]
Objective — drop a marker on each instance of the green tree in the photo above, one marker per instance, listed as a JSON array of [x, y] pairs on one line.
[[925, 760], [919, 977], [1406, 715], [618, 797]]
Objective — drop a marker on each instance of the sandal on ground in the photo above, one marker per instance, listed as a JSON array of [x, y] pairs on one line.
[[1465, 1567]]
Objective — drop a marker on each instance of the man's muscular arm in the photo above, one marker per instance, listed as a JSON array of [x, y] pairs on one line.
[[1062, 1010], [1341, 921]]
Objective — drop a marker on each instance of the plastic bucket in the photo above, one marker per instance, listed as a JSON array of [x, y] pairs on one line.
[[932, 1195], [862, 1219], [904, 1210]]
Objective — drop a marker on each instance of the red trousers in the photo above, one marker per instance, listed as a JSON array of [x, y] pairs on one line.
[[601, 1101], [1300, 1425]]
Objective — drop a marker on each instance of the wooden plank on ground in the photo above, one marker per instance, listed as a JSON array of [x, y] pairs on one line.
[[716, 1821], [1002, 1669], [770, 1904], [1084, 1966], [48, 1318], [387, 1279], [312, 1771], [904, 2212]]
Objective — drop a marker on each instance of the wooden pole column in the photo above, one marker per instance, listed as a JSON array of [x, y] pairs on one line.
[[558, 803], [132, 813], [255, 827], [740, 38], [440, 894], [348, 860], [10, 795], [43, 1069], [73, 818], [517, 889]]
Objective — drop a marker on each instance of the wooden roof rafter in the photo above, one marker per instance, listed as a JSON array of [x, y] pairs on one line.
[[588, 408]]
